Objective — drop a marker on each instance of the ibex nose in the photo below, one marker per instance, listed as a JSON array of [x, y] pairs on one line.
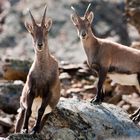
[[83, 34], [40, 44]]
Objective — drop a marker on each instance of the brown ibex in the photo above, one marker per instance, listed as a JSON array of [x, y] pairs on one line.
[[119, 62], [41, 92]]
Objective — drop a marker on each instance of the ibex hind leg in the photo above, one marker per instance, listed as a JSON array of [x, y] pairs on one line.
[[98, 99], [100, 95], [139, 82], [135, 117], [44, 119], [20, 119]]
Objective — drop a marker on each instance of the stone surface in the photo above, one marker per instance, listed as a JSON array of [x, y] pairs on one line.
[[80, 120], [24, 137], [9, 96], [133, 13], [14, 69]]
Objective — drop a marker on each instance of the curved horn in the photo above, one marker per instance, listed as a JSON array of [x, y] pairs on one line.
[[43, 19], [75, 12], [33, 20], [86, 12]]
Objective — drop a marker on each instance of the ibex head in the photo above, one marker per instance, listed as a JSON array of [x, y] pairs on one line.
[[83, 24], [39, 31]]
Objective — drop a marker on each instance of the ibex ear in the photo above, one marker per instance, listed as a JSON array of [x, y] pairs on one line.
[[74, 19], [48, 24], [29, 27], [90, 17]]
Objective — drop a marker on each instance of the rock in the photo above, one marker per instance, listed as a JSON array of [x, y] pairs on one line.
[[80, 120], [134, 101], [66, 67], [14, 69], [135, 45], [133, 13], [64, 76], [24, 137], [59, 135], [4, 8], [75, 119], [6, 122], [9, 96], [1, 130]]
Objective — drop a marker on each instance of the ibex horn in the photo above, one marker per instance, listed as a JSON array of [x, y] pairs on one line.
[[43, 19], [86, 12], [75, 12], [33, 20]]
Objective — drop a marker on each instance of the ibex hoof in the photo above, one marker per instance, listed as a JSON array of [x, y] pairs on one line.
[[135, 119], [23, 131], [96, 101], [34, 131]]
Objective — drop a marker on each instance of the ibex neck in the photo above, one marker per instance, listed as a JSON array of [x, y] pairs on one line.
[[91, 47], [90, 43], [42, 57]]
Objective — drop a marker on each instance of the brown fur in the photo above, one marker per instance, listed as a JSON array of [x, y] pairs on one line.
[[42, 80]]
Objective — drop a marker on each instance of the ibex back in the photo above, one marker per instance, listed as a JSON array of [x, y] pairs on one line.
[[119, 62], [41, 92]]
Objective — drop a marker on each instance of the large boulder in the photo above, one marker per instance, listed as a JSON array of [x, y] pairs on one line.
[[81, 120], [10, 95]]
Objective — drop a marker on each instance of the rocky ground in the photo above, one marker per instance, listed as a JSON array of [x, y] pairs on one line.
[[80, 120], [77, 81]]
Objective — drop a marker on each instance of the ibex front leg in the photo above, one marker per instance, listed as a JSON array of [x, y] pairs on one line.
[[100, 95], [20, 119], [41, 110], [30, 98]]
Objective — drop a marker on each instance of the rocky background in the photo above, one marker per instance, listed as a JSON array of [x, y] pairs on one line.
[[116, 20]]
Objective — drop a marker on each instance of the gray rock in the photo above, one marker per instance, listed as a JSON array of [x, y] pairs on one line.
[[24, 137], [9, 96], [80, 120], [83, 120], [64, 134]]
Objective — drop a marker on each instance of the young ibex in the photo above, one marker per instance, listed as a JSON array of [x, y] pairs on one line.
[[41, 92], [119, 62]]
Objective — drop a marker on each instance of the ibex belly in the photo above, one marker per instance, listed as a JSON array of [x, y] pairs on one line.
[[36, 105], [125, 79]]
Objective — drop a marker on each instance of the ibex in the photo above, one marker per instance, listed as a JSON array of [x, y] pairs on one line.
[[41, 92], [119, 62]]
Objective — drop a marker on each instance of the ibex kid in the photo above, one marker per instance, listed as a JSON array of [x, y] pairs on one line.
[[119, 62], [41, 92]]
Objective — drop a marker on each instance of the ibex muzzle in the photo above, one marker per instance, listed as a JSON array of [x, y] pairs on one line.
[[39, 39]]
